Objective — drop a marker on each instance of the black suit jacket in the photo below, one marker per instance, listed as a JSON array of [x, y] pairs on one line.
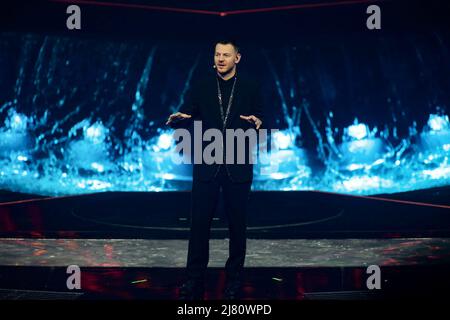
[[201, 101]]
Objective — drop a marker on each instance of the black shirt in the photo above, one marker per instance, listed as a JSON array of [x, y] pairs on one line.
[[201, 101], [225, 88]]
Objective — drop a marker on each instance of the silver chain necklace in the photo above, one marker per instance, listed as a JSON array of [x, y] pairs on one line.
[[230, 101]]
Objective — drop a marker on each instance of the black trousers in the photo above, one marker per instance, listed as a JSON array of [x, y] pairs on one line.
[[204, 199]]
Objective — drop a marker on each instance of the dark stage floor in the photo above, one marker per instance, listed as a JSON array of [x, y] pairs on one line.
[[293, 269], [271, 215], [282, 253], [302, 246]]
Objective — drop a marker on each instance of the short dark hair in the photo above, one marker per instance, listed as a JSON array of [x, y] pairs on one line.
[[229, 41]]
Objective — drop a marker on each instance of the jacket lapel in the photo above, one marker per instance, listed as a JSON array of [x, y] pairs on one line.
[[216, 105], [234, 109]]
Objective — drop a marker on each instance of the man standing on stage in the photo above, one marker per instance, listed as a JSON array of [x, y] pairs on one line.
[[224, 99]]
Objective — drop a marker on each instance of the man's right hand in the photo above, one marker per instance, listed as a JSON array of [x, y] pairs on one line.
[[177, 116]]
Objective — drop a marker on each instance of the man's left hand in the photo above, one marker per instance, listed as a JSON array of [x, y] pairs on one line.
[[252, 119]]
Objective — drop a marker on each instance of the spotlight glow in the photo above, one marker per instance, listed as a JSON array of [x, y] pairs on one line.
[[96, 132], [438, 123], [358, 131], [283, 139], [165, 141]]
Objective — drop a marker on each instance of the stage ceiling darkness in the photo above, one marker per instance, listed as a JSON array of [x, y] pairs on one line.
[[358, 111]]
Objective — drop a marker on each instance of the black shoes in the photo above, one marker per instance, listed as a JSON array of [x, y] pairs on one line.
[[233, 290], [192, 289]]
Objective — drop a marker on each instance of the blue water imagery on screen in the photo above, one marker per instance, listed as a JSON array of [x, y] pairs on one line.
[[358, 116]]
